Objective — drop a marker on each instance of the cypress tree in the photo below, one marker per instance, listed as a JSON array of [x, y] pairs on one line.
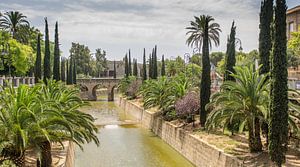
[[74, 77], [155, 63], [47, 68], [278, 133], [70, 71], [265, 35], [38, 61], [163, 66], [126, 66], [115, 70], [135, 68], [56, 63], [150, 67], [144, 66], [129, 64], [63, 70], [230, 54]]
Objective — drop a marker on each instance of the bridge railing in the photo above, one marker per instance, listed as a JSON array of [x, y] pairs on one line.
[[16, 81]]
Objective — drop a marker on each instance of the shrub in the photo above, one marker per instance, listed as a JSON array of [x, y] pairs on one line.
[[188, 105]]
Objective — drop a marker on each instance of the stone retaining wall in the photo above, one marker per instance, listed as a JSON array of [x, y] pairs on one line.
[[199, 152]]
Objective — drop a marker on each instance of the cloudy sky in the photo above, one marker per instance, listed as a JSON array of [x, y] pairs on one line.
[[117, 25]]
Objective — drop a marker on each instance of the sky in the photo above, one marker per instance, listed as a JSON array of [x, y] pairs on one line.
[[117, 25]]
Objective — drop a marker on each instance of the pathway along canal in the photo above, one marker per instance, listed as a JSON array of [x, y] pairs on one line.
[[124, 144]]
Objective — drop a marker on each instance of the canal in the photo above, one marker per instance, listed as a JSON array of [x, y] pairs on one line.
[[123, 143]]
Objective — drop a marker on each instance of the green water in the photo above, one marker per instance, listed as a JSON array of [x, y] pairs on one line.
[[124, 143]]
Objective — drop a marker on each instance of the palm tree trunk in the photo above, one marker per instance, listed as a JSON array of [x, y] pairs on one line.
[[254, 145], [46, 157], [18, 158], [257, 134]]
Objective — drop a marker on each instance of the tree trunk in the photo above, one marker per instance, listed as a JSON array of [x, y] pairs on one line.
[[257, 134], [19, 159], [254, 145], [46, 157]]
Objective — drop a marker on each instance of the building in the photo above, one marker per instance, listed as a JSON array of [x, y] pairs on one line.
[[120, 69], [293, 20]]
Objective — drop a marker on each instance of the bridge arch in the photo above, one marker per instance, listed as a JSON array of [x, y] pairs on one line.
[[89, 87]]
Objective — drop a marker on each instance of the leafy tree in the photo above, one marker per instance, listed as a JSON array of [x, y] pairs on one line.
[[135, 68], [154, 63], [70, 71], [174, 67], [47, 58], [144, 66], [74, 77], [81, 54], [202, 32], [126, 66], [265, 35], [56, 66], [278, 133], [38, 62], [115, 70], [63, 70], [129, 64], [230, 54], [216, 57], [101, 62], [13, 21], [163, 66], [241, 101]]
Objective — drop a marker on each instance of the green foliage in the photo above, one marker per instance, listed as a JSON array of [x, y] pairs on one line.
[[101, 61], [278, 133], [47, 58], [164, 92], [163, 66], [175, 67], [294, 42], [196, 59], [216, 57], [38, 61], [13, 22], [125, 83], [126, 66], [202, 33], [56, 64], [144, 66], [265, 35], [115, 70], [82, 56], [154, 63], [241, 101], [230, 54], [135, 68], [150, 73], [129, 64]]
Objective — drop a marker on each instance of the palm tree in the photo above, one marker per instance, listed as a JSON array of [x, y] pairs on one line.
[[243, 100], [13, 21], [202, 33]]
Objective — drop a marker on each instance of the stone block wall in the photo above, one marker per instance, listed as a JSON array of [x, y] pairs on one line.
[[199, 152]]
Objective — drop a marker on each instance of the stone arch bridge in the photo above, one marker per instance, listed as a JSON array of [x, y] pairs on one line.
[[89, 86]]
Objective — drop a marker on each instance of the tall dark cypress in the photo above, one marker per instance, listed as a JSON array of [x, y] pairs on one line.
[[265, 35], [47, 68], [67, 72], [230, 54], [56, 63], [126, 66], [74, 77], [150, 67], [63, 70], [278, 133], [144, 66], [70, 71], [205, 79], [38, 61], [155, 63], [129, 64], [115, 70], [135, 68], [163, 66]]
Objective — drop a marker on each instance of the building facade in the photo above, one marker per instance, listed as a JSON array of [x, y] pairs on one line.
[[293, 20], [120, 69]]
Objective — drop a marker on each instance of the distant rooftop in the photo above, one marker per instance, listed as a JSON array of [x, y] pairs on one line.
[[294, 9]]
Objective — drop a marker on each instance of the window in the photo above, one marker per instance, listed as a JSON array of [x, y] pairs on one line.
[[291, 26]]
